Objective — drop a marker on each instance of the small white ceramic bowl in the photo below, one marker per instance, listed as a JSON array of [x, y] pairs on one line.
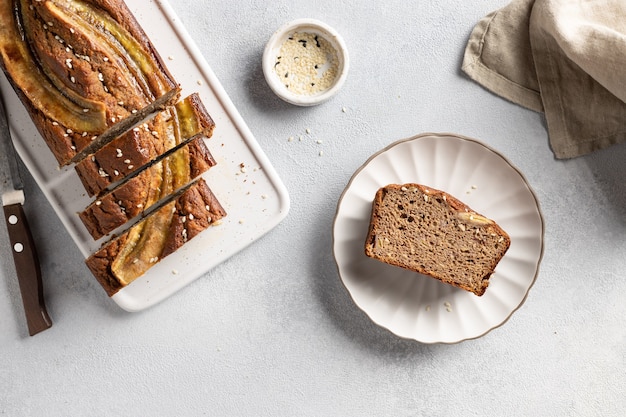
[[337, 66]]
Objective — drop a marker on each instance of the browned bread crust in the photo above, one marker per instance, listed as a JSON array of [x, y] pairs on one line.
[[140, 146], [141, 192], [431, 232], [89, 78], [80, 88], [123, 259]]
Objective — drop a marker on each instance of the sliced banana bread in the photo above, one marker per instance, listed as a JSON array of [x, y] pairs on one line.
[[132, 151], [431, 232], [85, 70], [140, 192], [122, 260]]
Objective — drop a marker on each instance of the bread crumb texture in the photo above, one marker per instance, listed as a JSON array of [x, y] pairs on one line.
[[431, 232]]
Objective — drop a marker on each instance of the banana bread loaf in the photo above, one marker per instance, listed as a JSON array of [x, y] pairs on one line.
[[84, 70], [132, 151], [123, 259], [140, 192], [431, 232]]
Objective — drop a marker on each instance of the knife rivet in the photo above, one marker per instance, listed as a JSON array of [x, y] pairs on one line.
[[13, 219], [18, 247]]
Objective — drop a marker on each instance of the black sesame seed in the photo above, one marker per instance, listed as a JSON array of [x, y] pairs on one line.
[[317, 42]]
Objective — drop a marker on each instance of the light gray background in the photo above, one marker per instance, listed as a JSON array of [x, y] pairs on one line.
[[272, 331]]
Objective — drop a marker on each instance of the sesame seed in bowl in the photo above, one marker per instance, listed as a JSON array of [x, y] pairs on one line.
[[305, 62]]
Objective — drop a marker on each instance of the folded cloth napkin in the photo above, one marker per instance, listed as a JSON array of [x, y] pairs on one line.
[[566, 58]]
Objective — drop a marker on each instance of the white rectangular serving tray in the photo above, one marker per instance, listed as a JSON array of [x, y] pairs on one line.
[[243, 180]]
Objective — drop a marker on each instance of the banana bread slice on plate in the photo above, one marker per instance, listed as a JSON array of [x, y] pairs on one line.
[[431, 232]]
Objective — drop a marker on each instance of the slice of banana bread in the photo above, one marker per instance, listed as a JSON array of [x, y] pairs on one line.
[[142, 191], [431, 232], [122, 260], [142, 145]]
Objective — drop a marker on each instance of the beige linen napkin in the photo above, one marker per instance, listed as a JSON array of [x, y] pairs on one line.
[[566, 58]]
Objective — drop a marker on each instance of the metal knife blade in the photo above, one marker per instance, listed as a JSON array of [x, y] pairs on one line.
[[22, 245]]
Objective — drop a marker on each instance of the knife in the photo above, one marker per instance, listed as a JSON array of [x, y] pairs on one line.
[[22, 245]]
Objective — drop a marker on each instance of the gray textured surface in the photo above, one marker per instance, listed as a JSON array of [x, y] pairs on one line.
[[272, 331]]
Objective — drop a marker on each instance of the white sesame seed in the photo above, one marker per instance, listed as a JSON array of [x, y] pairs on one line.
[[199, 82], [72, 79], [190, 216], [105, 59], [98, 203], [113, 119], [343, 109], [85, 110], [72, 30], [55, 123], [116, 172], [127, 161], [131, 166], [84, 134], [308, 131], [133, 111]]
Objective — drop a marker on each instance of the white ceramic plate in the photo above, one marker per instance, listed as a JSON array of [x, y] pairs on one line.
[[418, 307], [254, 198]]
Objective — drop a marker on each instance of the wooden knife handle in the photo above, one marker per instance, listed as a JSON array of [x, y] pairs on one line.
[[27, 268]]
